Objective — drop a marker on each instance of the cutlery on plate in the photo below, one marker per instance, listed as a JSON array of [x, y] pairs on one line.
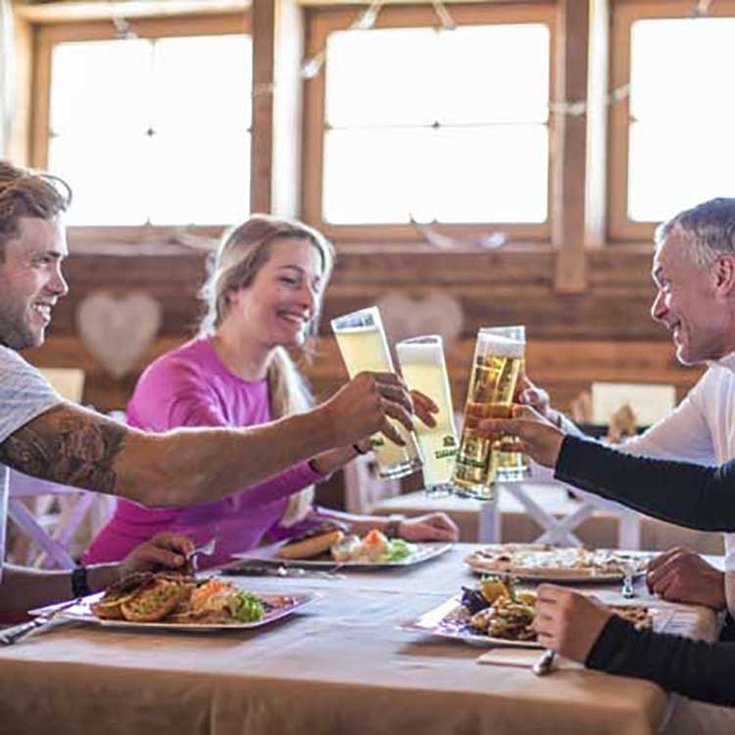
[[16, 633], [263, 570], [628, 590], [208, 548], [544, 663]]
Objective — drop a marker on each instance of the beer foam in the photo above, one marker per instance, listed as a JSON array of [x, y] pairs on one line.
[[497, 344], [417, 353], [357, 329]]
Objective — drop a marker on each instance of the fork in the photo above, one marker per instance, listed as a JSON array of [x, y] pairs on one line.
[[544, 663], [207, 548], [628, 590]]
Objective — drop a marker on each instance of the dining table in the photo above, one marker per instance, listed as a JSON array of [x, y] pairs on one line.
[[341, 665]]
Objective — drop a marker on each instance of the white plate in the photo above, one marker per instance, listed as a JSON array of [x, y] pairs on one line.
[[559, 574], [424, 552], [449, 621], [285, 604]]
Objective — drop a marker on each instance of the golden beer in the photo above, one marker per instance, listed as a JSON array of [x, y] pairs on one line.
[[363, 346], [496, 366], [424, 369]]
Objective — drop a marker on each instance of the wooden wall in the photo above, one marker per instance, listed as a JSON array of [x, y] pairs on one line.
[[604, 334]]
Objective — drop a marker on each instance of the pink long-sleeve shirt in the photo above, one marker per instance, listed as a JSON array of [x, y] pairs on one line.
[[190, 386]]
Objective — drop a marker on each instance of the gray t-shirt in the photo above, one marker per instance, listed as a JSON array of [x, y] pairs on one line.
[[24, 394]]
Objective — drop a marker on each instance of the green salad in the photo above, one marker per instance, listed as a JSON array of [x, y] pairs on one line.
[[398, 550], [247, 607]]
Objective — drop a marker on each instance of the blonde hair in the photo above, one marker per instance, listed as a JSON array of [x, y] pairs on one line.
[[242, 253], [25, 193]]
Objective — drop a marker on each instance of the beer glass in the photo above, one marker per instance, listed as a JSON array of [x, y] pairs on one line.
[[362, 343], [424, 369], [495, 369], [510, 464]]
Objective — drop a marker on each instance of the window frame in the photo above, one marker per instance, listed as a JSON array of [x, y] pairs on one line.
[[45, 35], [624, 14], [320, 22]]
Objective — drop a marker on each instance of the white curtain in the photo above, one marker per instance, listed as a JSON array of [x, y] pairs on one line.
[[7, 76]]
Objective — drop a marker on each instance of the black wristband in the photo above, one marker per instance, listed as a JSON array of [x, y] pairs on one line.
[[79, 582]]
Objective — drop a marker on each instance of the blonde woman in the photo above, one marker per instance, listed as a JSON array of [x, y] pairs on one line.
[[263, 296]]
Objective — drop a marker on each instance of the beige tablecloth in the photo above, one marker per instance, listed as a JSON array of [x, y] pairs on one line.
[[340, 667]]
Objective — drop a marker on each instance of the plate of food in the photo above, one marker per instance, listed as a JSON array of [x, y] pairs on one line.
[[542, 562], [496, 614], [332, 547], [167, 601]]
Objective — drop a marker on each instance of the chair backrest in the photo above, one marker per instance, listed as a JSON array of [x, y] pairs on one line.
[[649, 402], [364, 489], [67, 382]]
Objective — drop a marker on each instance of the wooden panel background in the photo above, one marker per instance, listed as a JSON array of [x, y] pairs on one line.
[[604, 334]]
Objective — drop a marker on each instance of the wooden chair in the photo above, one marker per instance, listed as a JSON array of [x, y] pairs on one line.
[[50, 516]]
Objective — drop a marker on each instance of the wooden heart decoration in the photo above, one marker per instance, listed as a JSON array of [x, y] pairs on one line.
[[432, 312], [117, 329]]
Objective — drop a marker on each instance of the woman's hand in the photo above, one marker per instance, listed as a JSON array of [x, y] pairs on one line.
[[164, 551], [429, 527], [568, 622], [536, 436]]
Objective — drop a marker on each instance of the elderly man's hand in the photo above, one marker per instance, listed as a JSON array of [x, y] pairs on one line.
[[568, 622], [681, 575], [165, 551], [429, 527]]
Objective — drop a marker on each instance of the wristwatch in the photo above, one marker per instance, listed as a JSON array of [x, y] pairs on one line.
[[79, 582], [393, 527]]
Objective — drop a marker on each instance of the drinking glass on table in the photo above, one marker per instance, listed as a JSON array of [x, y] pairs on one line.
[[496, 367], [363, 346], [424, 369]]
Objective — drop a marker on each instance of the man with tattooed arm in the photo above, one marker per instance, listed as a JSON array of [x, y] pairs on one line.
[[44, 436]]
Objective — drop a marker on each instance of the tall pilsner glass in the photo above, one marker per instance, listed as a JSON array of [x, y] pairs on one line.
[[362, 343], [424, 369], [495, 370], [510, 464]]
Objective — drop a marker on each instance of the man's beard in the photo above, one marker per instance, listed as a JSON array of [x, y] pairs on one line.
[[16, 333]]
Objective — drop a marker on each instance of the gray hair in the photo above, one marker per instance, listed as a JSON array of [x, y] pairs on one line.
[[711, 227]]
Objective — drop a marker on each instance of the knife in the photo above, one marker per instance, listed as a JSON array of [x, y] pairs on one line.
[[11, 635]]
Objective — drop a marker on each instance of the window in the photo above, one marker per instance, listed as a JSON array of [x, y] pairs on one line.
[[672, 139], [151, 129], [437, 125]]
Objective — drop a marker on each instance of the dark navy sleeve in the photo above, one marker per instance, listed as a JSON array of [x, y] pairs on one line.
[[695, 669], [687, 494]]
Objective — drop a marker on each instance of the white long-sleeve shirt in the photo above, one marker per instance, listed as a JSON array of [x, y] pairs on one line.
[[702, 430]]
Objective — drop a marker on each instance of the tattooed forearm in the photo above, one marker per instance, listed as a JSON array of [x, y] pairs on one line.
[[69, 446]]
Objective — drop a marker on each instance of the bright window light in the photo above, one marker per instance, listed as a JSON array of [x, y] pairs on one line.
[[153, 131], [682, 115], [434, 124]]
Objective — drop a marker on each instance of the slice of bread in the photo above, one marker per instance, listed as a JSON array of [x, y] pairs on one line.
[[310, 547]]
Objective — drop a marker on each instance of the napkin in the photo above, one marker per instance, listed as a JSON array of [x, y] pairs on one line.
[[521, 657]]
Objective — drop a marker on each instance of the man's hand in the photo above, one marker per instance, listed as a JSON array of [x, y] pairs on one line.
[[367, 403], [429, 527], [681, 575], [424, 408], [163, 551], [568, 622], [529, 394], [535, 435]]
